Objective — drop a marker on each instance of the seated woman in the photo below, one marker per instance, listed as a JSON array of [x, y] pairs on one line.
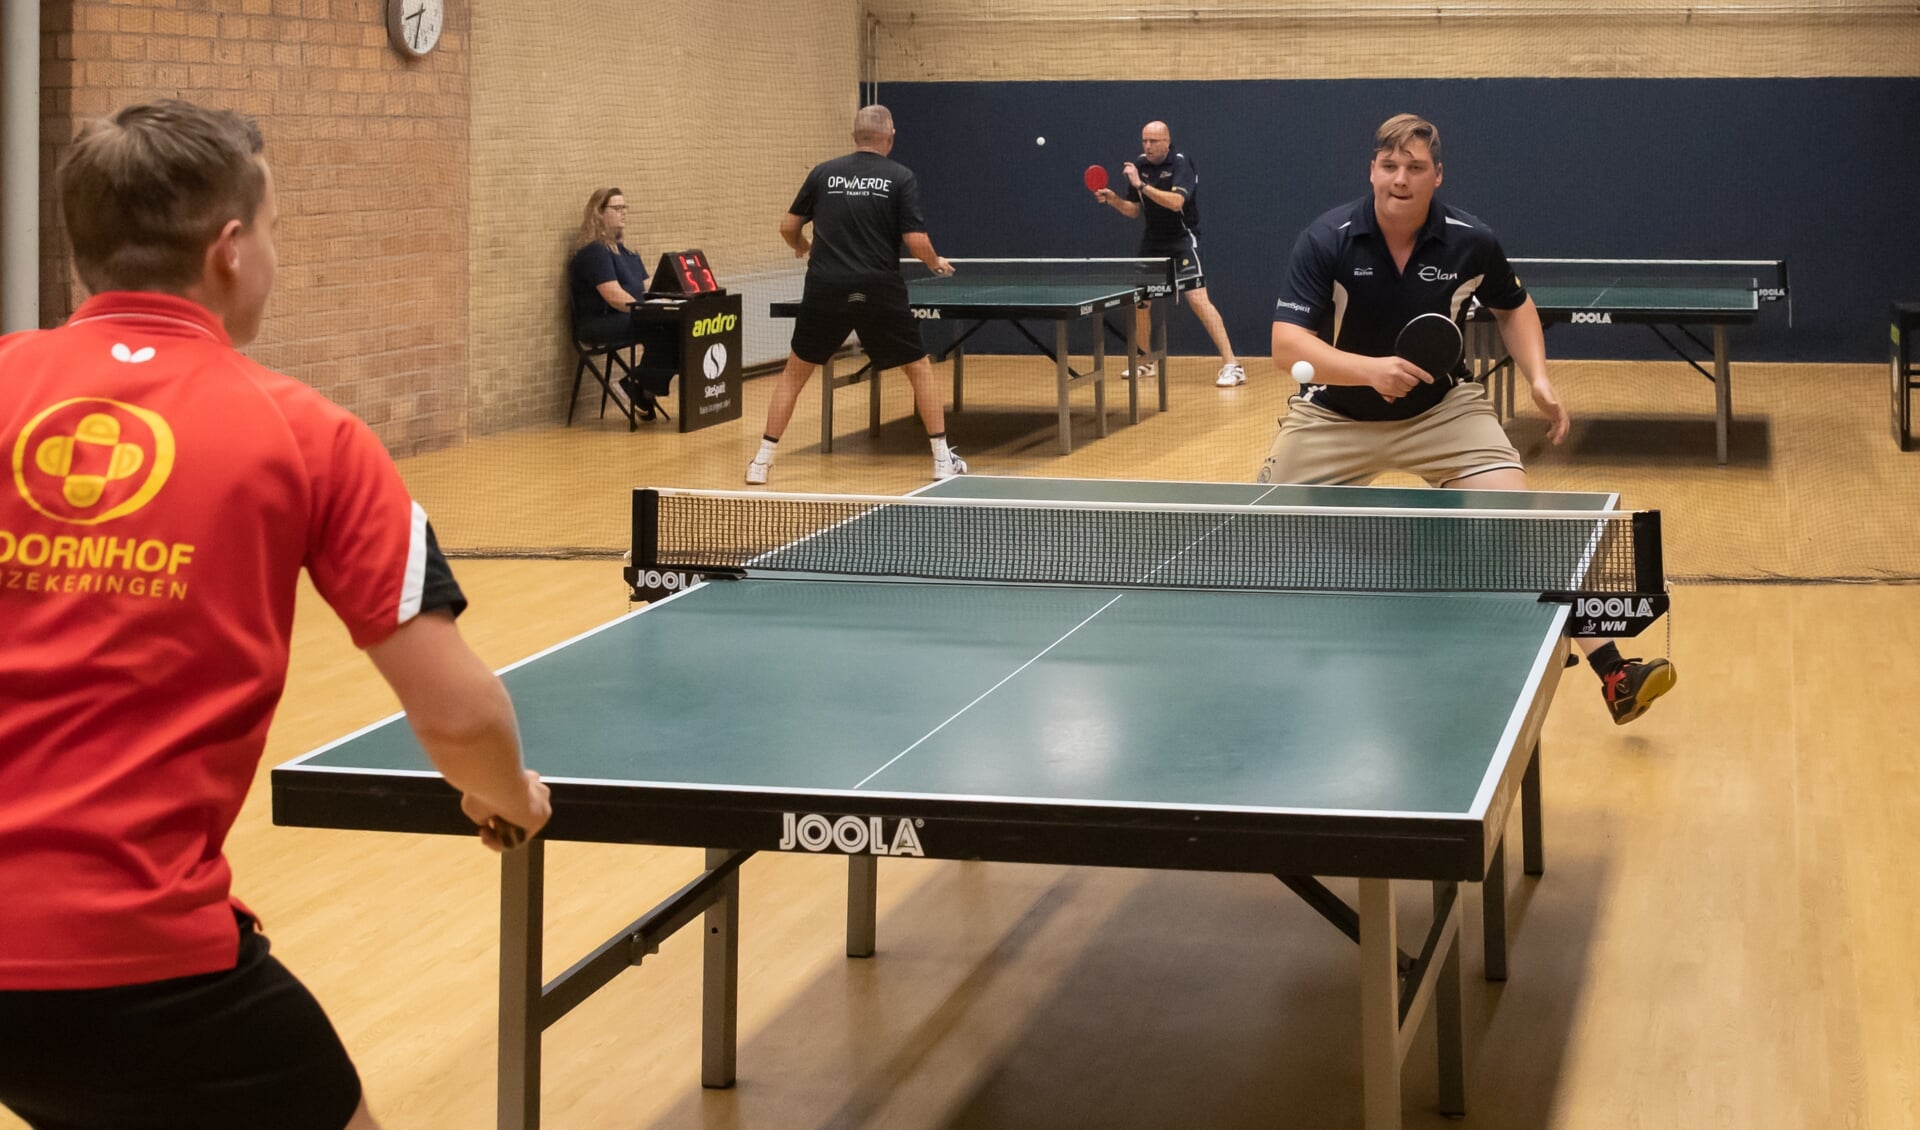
[[606, 279]]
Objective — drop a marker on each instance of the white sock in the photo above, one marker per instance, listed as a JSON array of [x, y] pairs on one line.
[[766, 450], [939, 443]]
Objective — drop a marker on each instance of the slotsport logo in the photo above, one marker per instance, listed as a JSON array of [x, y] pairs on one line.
[[852, 835], [90, 460], [718, 324], [715, 362], [1592, 318]]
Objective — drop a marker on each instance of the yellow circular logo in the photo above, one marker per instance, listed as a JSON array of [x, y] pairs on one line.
[[90, 460]]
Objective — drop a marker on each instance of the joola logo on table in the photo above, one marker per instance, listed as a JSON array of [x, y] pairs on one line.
[[921, 312], [1592, 318], [718, 324], [853, 835]]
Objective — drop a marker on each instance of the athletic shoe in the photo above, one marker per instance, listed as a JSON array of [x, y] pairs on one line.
[[757, 473], [1145, 370], [1631, 689], [948, 467], [1231, 374]]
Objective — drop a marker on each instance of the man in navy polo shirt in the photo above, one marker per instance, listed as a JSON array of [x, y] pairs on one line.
[[1163, 185], [1358, 274]]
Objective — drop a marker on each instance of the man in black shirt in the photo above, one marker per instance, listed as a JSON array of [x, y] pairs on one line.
[[863, 207], [1358, 274], [1163, 185]]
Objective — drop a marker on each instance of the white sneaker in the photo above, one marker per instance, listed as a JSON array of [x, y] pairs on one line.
[[757, 473], [1144, 370], [945, 468], [1231, 374]]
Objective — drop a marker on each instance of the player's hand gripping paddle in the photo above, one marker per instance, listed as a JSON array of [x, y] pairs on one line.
[[1433, 342], [1095, 177]]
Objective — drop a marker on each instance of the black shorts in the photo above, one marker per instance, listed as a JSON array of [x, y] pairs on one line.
[[1187, 274], [238, 1050], [878, 313]]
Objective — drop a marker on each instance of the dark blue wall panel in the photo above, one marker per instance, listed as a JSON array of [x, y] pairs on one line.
[[1822, 172]]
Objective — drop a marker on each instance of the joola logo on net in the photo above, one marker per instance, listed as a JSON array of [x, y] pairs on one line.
[[1592, 318], [852, 835]]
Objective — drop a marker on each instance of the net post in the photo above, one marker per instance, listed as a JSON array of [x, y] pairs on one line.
[[1649, 568], [646, 528]]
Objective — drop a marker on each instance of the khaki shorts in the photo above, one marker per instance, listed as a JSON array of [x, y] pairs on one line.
[[1457, 437]]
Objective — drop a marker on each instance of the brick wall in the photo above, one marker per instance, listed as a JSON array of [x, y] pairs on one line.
[[370, 159], [707, 115], [428, 205]]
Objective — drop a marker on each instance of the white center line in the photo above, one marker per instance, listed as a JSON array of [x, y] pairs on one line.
[[983, 694]]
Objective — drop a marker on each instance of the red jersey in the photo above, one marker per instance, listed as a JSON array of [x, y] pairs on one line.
[[163, 492]]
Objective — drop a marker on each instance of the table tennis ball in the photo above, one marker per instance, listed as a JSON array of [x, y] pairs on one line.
[[1039, 141], [1303, 372]]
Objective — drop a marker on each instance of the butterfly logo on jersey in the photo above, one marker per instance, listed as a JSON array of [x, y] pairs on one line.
[[130, 356], [89, 460]]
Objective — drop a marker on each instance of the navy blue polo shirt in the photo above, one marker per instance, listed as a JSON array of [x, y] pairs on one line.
[[1168, 230], [597, 263], [1343, 285]]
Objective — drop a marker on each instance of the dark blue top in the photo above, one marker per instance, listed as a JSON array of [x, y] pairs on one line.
[[1343, 284], [860, 205], [597, 263], [1167, 228]]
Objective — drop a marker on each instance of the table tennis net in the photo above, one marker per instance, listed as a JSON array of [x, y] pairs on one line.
[[1117, 273], [1136, 544]]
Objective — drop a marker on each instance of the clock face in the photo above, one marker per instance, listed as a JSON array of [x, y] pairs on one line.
[[413, 26]]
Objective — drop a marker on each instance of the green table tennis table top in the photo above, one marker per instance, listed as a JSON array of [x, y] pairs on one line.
[[1359, 705]]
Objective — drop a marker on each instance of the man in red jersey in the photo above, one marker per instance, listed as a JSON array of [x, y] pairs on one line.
[[162, 494]]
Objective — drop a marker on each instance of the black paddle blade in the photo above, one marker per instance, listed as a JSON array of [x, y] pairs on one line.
[[1432, 342]]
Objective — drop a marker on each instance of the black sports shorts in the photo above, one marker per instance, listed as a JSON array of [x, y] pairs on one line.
[[877, 311], [244, 1049]]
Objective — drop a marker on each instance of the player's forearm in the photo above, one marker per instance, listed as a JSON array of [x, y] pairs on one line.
[[1330, 366], [1525, 340], [476, 747], [920, 246], [457, 708], [1125, 207], [790, 230], [1165, 198]]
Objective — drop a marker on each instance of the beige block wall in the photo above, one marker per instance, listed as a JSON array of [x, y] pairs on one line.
[[369, 154], [961, 40], [707, 115]]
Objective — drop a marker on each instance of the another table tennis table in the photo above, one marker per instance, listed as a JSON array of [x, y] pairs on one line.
[[1661, 294], [1171, 728], [983, 292]]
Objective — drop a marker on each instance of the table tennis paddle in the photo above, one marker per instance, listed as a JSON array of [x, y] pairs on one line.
[[1433, 342], [509, 834], [1095, 177]]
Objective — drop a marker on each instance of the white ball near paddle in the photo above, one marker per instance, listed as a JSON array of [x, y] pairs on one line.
[[1303, 372]]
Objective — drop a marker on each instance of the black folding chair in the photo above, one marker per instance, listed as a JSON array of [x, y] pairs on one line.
[[601, 361]]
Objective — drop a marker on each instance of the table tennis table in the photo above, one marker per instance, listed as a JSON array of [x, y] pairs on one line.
[[919, 714], [1661, 294], [982, 292]]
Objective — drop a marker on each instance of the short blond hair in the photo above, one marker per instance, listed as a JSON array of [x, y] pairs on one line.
[[1397, 131], [145, 191]]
